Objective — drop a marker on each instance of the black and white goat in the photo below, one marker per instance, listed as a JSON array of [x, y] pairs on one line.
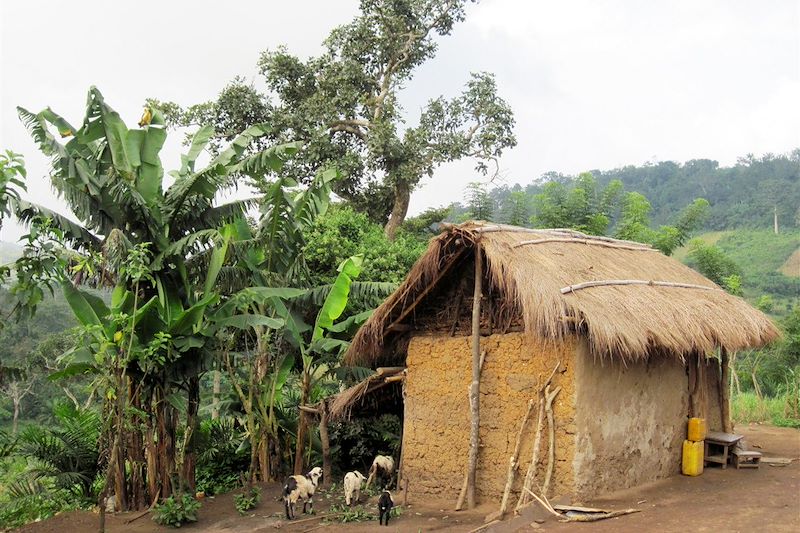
[[385, 504], [300, 487], [382, 469], [352, 486]]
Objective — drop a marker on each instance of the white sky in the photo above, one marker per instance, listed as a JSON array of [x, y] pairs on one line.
[[593, 84]]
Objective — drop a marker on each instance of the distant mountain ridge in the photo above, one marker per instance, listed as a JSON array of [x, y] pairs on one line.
[[748, 194]]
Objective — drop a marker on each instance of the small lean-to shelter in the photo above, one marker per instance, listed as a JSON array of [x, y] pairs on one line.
[[643, 342]]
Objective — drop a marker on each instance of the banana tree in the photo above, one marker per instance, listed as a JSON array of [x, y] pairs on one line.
[[112, 179], [322, 350]]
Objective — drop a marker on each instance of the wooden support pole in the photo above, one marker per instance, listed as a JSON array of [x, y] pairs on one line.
[[327, 470], [474, 393], [724, 390], [513, 463]]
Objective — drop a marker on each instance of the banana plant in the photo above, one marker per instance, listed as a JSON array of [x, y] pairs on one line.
[[323, 350], [112, 180]]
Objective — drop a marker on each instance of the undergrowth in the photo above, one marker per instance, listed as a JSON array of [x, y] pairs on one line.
[[746, 407]]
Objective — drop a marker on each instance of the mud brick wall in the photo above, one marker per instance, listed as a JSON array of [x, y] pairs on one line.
[[631, 421], [437, 421]]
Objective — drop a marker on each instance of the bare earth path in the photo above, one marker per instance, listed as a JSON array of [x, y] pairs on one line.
[[767, 499]]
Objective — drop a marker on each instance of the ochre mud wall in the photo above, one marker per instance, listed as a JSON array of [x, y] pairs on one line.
[[631, 421], [436, 428]]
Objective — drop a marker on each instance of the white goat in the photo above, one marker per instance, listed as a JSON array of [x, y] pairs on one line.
[[383, 468], [352, 486], [300, 487]]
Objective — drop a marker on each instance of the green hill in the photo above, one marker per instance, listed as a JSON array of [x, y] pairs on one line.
[[770, 263]]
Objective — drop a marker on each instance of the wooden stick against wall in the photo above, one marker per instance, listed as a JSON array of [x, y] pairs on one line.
[[724, 392], [551, 441], [513, 463], [537, 443], [474, 393]]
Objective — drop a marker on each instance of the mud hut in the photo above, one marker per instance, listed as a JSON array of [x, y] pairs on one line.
[[641, 342]]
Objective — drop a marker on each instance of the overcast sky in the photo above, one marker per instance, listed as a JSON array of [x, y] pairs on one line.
[[593, 84]]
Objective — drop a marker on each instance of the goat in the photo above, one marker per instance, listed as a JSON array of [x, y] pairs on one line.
[[352, 486], [382, 467], [385, 504], [300, 487]]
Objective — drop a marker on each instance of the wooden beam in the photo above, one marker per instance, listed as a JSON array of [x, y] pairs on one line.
[[588, 284], [586, 241], [388, 370]]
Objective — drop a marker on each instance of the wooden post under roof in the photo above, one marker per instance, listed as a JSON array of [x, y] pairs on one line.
[[474, 392], [724, 392]]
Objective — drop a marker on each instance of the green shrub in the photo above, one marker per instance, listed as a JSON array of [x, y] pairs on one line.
[[221, 458], [31, 500], [246, 501], [174, 512]]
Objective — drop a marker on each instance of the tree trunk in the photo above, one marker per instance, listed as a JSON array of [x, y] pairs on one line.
[[725, 400], [775, 214], [326, 447], [263, 456], [15, 420], [302, 426], [189, 456], [474, 392], [215, 396], [402, 196]]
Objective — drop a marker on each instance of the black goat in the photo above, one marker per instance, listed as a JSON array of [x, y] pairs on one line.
[[385, 504]]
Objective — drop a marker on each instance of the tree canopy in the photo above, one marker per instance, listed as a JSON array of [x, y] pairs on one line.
[[345, 106]]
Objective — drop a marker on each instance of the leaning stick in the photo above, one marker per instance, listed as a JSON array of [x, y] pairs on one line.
[[544, 503], [600, 516], [317, 517], [537, 443], [513, 464], [152, 505], [551, 443], [483, 527]]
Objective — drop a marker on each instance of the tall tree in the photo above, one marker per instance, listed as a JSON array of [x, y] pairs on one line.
[[345, 105]]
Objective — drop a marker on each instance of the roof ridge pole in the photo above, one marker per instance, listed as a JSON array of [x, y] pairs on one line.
[[474, 391]]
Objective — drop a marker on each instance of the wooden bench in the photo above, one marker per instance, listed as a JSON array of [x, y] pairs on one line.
[[745, 458], [718, 445]]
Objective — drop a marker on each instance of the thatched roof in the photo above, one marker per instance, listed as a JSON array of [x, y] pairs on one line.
[[642, 301], [340, 405]]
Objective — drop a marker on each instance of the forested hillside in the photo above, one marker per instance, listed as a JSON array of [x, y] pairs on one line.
[[746, 195]]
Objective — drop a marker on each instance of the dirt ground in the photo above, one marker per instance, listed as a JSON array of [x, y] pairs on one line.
[[720, 500]]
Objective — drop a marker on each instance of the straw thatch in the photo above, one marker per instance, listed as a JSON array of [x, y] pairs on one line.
[[627, 318], [340, 405]]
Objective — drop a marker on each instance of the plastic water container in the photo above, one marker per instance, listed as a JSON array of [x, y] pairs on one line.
[[697, 429], [692, 463]]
